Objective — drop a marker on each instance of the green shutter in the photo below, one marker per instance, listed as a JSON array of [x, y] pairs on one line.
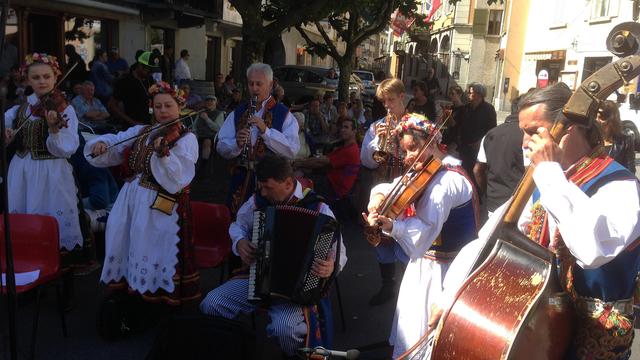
[[480, 19]]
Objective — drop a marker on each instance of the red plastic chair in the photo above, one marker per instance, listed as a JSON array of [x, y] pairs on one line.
[[211, 234], [34, 240]]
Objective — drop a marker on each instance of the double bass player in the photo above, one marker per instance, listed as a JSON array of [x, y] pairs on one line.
[[585, 209]]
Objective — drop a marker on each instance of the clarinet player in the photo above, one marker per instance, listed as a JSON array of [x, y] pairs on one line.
[[270, 128]]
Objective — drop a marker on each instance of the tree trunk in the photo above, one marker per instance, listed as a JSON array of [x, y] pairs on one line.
[[346, 66], [253, 43]]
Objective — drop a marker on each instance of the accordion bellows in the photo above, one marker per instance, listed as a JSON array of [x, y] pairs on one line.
[[287, 240]]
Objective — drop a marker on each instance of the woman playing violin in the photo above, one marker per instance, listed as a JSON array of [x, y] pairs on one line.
[[45, 130], [148, 247], [429, 232]]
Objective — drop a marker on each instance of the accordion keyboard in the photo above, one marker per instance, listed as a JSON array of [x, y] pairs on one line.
[[320, 251], [258, 220]]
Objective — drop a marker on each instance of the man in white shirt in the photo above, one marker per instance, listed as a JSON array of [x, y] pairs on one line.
[[182, 71], [288, 322], [585, 209], [271, 128]]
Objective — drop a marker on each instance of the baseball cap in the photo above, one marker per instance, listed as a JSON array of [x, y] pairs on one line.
[[211, 97], [149, 59]]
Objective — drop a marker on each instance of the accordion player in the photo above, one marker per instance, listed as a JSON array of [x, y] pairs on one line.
[[288, 239]]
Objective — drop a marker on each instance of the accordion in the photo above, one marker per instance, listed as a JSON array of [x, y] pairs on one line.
[[288, 239]]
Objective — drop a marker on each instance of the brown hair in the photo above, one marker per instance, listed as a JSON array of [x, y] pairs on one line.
[[613, 126], [390, 86]]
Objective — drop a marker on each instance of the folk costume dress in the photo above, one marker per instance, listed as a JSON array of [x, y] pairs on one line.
[[292, 324], [147, 241], [40, 179], [588, 216], [444, 221]]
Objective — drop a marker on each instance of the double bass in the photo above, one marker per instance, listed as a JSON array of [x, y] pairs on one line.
[[512, 305]]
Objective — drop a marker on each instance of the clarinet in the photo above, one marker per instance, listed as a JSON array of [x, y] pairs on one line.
[[244, 155]]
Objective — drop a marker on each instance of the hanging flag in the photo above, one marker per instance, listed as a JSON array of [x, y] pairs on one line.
[[435, 5], [401, 23]]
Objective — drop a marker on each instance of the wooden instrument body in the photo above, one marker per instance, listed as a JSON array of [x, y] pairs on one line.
[[412, 190], [511, 307]]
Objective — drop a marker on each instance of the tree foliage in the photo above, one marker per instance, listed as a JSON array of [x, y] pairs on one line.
[[354, 21]]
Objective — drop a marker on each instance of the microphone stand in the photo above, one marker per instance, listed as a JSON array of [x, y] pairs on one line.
[[11, 279]]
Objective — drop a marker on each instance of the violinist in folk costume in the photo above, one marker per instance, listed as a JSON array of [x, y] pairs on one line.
[[148, 246], [254, 128], [382, 154], [45, 129], [430, 231]]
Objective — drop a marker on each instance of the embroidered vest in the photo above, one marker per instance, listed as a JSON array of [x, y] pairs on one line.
[[138, 160], [602, 296], [459, 229], [275, 116], [33, 136]]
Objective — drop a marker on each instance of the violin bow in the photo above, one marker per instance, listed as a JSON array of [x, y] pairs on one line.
[[26, 120], [403, 179], [150, 130]]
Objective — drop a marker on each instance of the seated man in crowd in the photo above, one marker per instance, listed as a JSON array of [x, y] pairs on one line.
[[317, 126], [90, 110], [288, 322], [207, 126], [193, 101], [343, 164]]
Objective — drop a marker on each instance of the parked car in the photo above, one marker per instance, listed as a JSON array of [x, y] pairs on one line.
[[367, 80], [302, 83]]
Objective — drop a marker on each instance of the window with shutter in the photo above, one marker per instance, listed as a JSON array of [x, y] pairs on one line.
[[480, 20]]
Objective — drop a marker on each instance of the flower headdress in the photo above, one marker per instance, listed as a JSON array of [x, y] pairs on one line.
[[40, 58], [421, 123], [164, 88]]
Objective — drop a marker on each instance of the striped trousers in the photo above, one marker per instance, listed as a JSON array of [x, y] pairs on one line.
[[287, 323]]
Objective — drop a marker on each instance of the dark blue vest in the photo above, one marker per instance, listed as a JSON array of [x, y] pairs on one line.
[[458, 230], [278, 113]]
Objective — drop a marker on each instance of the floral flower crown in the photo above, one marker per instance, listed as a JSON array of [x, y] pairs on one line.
[[40, 58], [421, 123], [164, 88]]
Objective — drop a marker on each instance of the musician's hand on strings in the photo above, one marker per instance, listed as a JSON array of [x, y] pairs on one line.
[[259, 123], [385, 223], [541, 146], [323, 268], [242, 137], [98, 148], [246, 250], [53, 121], [375, 202], [9, 134], [434, 318]]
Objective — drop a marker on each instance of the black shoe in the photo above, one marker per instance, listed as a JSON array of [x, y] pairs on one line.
[[384, 295]]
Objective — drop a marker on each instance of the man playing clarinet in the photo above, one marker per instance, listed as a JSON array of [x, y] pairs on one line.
[[247, 134]]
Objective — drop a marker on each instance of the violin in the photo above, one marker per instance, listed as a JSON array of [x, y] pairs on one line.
[[55, 100], [170, 135]]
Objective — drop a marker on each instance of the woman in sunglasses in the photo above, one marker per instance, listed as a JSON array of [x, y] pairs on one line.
[[618, 144]]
